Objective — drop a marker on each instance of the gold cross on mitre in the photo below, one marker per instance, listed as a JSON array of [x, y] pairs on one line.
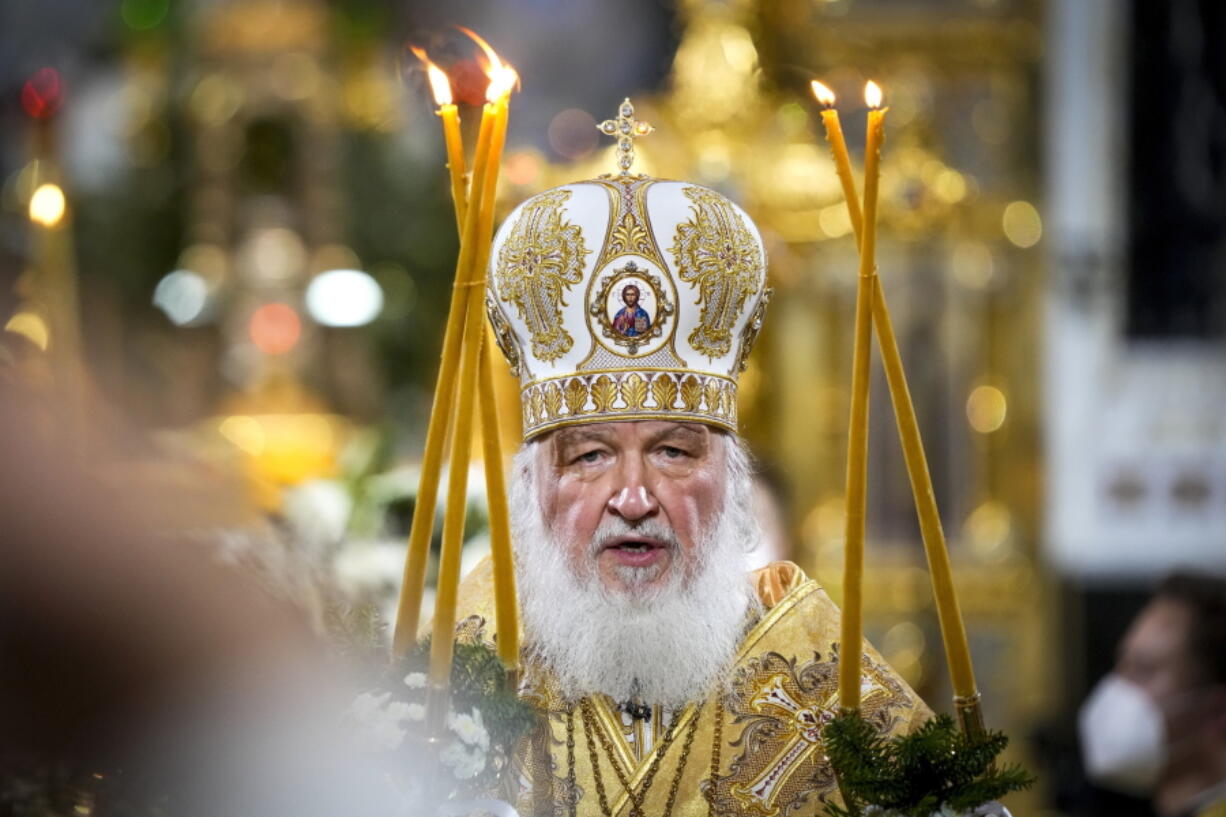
[[626, 128]]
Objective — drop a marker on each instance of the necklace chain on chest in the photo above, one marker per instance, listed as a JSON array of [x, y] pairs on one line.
[[637, 797]]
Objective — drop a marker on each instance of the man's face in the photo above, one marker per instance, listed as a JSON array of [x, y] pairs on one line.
[[631, 297], [640, 479], [1154, 655]]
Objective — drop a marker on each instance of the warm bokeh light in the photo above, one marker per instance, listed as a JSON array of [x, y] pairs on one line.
[[834, 220], [245, 432], [1021, 224], [988, 529], [986, 408], [43, 93], [344, 297], [824, 95], [440, 85], [275, 328], [522, 167], [872, 94], [903, 646], [30, 326], [972, 264], [47, 205]]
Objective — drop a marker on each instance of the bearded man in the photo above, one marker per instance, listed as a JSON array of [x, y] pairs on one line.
[[668, 680]]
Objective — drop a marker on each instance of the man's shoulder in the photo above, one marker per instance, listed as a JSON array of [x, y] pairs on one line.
[[774, 581]]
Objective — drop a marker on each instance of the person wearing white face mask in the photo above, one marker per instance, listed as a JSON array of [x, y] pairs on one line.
[[1156, 725]]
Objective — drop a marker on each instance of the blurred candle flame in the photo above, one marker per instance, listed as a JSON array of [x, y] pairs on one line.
[[824, 95], [440, 85], [494, 62], [47, 205], [872, 94], [503, 78]]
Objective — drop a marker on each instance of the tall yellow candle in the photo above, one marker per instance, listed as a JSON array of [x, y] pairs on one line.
[[455, 158], [506, 609], [502, 80], [850, 647], [838, 149], [480, 207], [440, 86], [949, 615], [413, 587]]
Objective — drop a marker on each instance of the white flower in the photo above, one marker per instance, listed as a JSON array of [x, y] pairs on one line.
[[366, 706], [415, 680], [470, 728], [416, 712], [463, 763], [386, 734], [946, 810], [380, 719], [368, 567], [318, 512], [397, 710]]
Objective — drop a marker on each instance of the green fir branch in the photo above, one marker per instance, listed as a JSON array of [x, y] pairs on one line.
[[916, 774], [479, 680]]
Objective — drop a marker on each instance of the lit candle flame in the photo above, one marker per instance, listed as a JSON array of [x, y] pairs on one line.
[[872, 94], [502, 76], [824, 95], [490, 54], [502, 80], [440, 85]]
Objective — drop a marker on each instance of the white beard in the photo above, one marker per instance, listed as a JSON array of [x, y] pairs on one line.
[[669, 645]]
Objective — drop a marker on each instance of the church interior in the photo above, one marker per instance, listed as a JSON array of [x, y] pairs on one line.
[[227, 247]]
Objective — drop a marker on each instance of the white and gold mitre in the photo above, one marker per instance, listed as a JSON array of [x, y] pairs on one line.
[[627, 298]]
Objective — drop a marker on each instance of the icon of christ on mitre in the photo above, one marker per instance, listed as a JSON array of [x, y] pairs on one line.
[[631, 320], [666, 679]]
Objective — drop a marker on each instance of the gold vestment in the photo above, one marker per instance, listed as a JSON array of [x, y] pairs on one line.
[[783, 689]]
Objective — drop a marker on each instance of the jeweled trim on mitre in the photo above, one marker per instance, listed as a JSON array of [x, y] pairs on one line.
[[628, 394]]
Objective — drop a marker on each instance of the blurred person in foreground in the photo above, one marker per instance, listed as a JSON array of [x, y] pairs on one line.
[[664, 674], [137, 675], [1156, 726]]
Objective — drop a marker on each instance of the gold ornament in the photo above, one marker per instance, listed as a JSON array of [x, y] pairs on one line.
[[542, 258]]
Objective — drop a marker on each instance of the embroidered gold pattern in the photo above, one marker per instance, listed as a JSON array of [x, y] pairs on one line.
[[616, 393], [783, 706], [541, 259], [691, 393], [576, 396], [503, 335], [634, 391], [664, 389], [604, 392], [712, 393], [749, 335], [761, 753], [630, 231], [715, 251]]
